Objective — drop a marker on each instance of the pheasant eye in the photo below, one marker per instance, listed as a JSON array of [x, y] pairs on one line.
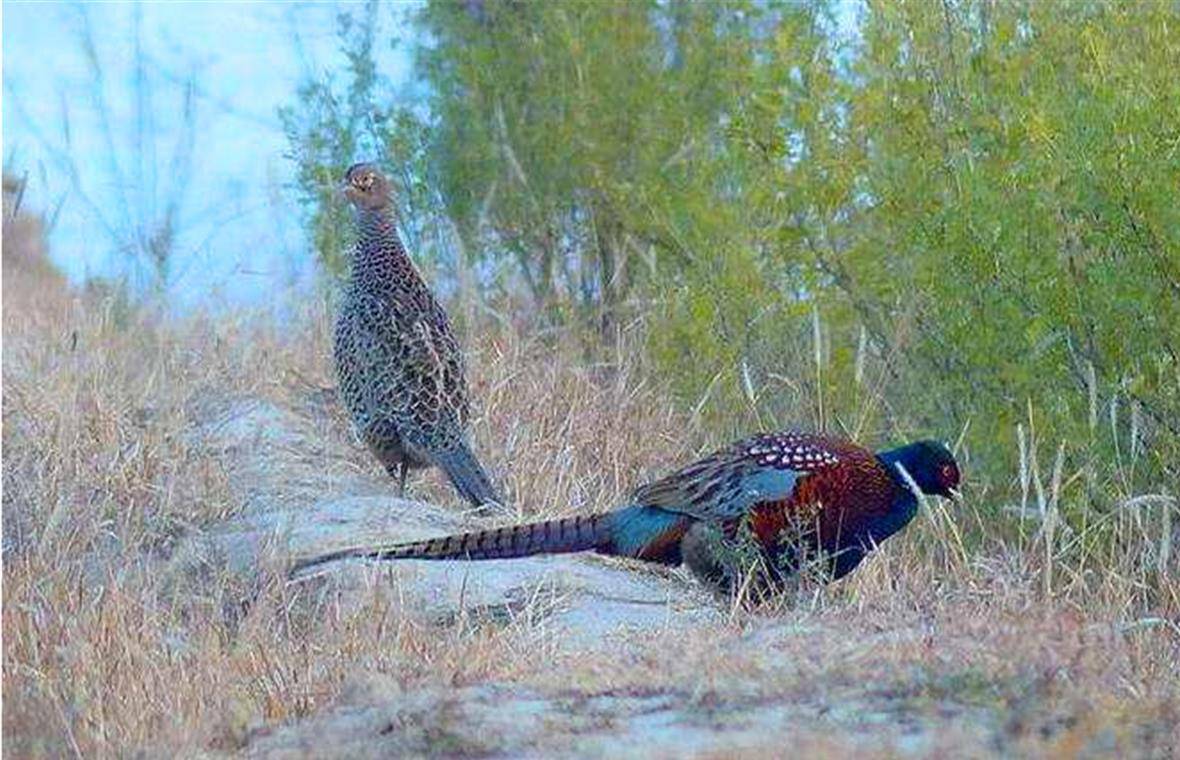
[[947, 474]]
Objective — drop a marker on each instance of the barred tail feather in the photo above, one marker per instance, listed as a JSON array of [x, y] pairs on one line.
[[646, 533], [468, 476], [572, 534]]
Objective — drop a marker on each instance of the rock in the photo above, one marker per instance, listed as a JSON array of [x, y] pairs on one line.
[[296, 507]]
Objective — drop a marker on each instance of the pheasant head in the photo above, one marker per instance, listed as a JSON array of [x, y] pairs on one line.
[[930, 463], [366, 187]]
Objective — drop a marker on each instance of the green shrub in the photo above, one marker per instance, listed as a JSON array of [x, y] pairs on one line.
[[962, 219]]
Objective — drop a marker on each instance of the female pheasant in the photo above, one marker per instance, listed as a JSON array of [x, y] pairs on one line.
[[795, 492], [398, 364]]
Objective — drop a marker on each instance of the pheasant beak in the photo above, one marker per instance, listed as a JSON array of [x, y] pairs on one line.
[[956, 495]]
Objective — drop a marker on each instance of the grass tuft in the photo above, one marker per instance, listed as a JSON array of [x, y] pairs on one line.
[[1042, 633]]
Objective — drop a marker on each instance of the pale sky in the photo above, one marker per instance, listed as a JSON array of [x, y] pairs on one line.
[[240, 235]]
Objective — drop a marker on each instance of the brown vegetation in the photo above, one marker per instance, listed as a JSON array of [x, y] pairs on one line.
[[975, 636], [29, 276]]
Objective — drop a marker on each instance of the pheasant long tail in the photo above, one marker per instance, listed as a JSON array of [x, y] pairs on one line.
[[572, 534], [468, 476]]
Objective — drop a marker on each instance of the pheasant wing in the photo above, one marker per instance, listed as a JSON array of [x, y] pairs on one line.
[[424, 390], [725, 484]]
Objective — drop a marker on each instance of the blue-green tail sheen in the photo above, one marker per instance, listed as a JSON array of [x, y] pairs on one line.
[[641, 532]]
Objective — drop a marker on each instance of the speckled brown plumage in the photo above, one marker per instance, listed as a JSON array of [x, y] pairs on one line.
[[399, 367]]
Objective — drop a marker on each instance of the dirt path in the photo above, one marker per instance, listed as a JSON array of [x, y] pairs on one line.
[[619, 661]]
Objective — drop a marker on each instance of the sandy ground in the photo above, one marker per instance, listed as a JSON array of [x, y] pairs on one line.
[[612, 659]]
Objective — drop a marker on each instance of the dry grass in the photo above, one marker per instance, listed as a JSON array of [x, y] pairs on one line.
[[30, 279], [101, 477]]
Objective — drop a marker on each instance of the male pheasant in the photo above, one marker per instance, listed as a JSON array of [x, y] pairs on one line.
[[796, 493], [399, 366]]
